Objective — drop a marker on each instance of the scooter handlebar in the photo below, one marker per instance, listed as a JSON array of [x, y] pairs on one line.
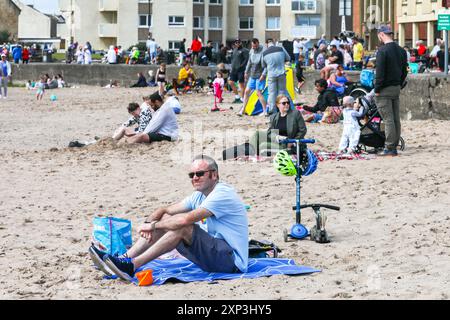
[[320, 206], [306, 141]]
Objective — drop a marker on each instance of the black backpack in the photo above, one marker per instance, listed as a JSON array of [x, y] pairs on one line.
[[262, 249]]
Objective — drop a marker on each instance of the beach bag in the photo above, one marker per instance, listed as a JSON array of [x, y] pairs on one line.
[[366, 78], [112, 235], [332, 115]]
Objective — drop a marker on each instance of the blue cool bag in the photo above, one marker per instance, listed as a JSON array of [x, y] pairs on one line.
[[112, 235], [367, 78]]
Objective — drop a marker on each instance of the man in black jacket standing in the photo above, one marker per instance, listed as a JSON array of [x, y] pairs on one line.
[[238, 63], [392, 69]]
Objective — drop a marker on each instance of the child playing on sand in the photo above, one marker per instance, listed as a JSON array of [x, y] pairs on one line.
[[350, 135], [140, 116], [41, 88], [218, 85]]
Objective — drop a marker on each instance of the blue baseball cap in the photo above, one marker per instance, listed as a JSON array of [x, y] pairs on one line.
[[385, 29]]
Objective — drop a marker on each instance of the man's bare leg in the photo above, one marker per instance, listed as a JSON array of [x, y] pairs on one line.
[[166, 243], [233, 87], [139, 138], [242, 86], [142, 244]]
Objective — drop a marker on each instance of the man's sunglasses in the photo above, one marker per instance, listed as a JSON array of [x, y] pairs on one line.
[[284, 103], [198, 174]]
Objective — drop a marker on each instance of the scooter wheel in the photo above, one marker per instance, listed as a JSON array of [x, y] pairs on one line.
[[285, 235], [299, 231]]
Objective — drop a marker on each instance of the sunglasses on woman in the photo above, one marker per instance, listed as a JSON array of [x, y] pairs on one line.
[[198, 174], [284, 103]]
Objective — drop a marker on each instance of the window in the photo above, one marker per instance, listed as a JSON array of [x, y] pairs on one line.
[[246, 2], [273, 2], [215, 22], [345, 7], [246, 23], [215, 1], [302, 5], [197, 1], [199, 22], [273, 23], [174, 45], [176, 21], [307, 20], [145, 20]]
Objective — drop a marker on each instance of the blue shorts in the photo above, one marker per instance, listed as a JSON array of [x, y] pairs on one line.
[[209, 253], [255, 84]]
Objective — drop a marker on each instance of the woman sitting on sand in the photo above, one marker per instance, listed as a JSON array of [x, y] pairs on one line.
[[288, 123], [141, 83]]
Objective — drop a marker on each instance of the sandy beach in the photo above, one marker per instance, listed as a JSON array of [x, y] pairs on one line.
[[389, 241]]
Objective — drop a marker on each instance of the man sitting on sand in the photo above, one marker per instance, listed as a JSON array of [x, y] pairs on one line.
[[140, 116], [327, 98], [162, 127], [223, 248]]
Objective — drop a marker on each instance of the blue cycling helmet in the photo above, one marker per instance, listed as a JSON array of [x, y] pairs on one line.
[[311, 163]]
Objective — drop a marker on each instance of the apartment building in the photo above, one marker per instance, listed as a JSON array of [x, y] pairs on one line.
[[101, 22], [369, 14], [127, 22], [417, 20]]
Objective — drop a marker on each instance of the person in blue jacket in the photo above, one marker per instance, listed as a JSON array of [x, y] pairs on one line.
[[17, 54]]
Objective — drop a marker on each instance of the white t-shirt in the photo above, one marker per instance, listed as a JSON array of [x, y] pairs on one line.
[[164, 122], [151, 45], [87, 57], [80, 56], [297, 45], [112, 58], [174, 103]]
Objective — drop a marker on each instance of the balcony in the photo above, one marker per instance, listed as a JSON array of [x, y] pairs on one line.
[[108, 5], [106, 30], [311, 32], [306, 6]]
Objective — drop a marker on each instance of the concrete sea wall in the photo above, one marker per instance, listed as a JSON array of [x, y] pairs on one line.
[[427, 96]]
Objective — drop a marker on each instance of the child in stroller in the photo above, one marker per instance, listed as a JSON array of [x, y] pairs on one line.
[[371, 127]]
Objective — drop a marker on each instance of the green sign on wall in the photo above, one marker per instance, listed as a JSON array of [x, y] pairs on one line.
[[443, 22]]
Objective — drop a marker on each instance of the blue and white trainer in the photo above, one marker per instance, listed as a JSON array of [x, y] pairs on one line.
[[97, 257], [122, 267]]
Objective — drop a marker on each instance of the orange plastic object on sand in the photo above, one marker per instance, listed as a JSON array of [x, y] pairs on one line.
[[145, 278]]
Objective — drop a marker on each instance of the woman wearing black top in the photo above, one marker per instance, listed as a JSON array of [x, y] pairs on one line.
[[161, 79], [288, 123], [142, 82]]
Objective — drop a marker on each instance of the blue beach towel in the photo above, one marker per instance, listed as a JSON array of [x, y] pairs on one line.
[[186, 271]]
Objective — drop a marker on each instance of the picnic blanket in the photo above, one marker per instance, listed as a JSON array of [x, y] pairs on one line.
[[186, 271], [322, 156]]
